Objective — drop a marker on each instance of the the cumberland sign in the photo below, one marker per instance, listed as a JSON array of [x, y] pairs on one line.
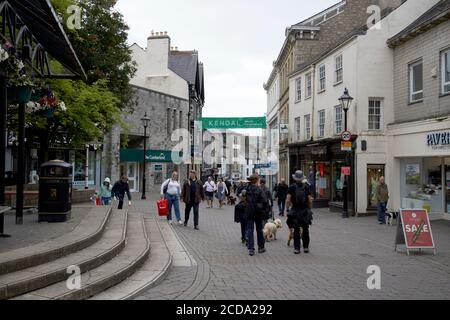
[[234, 123], [439, 140], [137, 155]]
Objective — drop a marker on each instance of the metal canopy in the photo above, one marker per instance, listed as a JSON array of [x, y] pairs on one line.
[[33, 24]]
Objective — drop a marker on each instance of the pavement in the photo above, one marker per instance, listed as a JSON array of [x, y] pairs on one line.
[[336, 268], [33, 232]]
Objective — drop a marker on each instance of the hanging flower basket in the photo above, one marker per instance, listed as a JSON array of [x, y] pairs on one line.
[[47, 113], [19, 94]]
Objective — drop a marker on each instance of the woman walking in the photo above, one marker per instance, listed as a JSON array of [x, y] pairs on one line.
[[105, 192], [171, 190], [222, 191], [210, 188]]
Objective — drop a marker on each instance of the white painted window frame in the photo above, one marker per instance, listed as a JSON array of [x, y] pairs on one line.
[[444, 83], [322, 85], [411, 82], [321, 123], [308, 126], [381, 100], [339, 67]]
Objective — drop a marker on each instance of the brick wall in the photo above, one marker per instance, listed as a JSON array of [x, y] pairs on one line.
[[427, 47]]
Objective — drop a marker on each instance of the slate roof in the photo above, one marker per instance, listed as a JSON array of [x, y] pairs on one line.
[[436, 15], [187, 66], [42, 21]]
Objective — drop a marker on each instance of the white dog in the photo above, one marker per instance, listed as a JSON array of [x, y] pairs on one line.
[[271, 228]]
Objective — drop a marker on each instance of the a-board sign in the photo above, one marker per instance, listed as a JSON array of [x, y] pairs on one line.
[[414, 230]]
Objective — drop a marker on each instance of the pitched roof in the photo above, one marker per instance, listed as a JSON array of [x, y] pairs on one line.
[[42, 21], [185, 64], [436, 15]]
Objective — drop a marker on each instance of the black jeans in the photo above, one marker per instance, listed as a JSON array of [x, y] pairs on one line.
[[305, 236], [187, 212]]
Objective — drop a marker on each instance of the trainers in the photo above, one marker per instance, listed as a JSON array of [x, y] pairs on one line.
[[251, 253], [196, 228], [185, 224], [306, 250], [170, 222], [180, 222], [297, 251], [261, 250]]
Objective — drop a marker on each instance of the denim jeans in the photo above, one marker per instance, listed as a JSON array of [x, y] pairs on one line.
[[174, 201], [106, 201], [187, 212], [382, 211], [251, 224], [281, 206]]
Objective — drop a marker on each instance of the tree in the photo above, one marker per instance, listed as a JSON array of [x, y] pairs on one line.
[[101, 45]]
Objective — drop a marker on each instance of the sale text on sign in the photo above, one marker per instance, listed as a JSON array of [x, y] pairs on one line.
[[416, 230]]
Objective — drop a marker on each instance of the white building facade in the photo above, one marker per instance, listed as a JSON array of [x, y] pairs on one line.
[[363, 64]]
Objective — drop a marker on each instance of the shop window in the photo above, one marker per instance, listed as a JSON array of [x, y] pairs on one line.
[[338, 181], [447, 184], [374, 173], [322, 180], [422, 185]]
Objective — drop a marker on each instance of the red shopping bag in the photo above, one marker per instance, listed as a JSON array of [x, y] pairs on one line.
[[163, 207]]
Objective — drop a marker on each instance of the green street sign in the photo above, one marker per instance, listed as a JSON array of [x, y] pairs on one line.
[[234, 123]]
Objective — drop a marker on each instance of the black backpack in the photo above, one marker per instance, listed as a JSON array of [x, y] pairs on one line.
[[254, 208], [301, 199]]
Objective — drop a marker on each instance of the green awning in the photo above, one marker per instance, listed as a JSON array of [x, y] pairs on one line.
[[137, 155]]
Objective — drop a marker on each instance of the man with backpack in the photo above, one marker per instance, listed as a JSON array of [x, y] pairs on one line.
[[255, 214], [300, 215]]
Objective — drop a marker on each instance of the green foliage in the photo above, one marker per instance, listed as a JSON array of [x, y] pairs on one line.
[[101, 45]]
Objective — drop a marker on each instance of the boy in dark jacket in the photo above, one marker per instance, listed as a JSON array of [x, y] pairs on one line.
[[240, 216]]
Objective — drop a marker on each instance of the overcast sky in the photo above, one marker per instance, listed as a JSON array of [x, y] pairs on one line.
[[237, 41]]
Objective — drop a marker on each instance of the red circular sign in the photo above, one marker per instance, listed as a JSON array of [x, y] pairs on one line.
[[346, 136]]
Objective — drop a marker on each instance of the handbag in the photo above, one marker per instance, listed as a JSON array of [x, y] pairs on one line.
[[166, 187], [163, 207]]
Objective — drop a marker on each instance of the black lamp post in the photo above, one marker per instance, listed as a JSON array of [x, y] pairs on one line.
[[145, 122], [346, 101]]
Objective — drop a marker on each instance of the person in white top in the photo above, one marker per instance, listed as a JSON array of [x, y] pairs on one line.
[[222, 191], [171, 190], [210, 188]]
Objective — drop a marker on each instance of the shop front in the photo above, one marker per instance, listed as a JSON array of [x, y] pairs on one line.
[[323, 163], [423, 163], [159, 167]]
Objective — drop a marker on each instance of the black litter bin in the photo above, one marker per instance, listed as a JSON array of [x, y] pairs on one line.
[[55, 191]]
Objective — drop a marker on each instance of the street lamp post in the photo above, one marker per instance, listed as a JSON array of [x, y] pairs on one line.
[[346, 101], [145, 122]]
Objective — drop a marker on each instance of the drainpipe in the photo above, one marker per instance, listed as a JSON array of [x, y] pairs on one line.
[[313, 93]]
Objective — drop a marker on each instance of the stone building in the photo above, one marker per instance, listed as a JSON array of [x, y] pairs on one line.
[[169, 88], [308, 39], [419, 135]]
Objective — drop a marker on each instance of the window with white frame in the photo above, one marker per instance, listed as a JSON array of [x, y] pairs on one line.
[[338, 120], [297, 129], [416, 81], [339, 69], [375, 113], [322, 78], [308, 127], [308, 84], [298, 89], [445, 66], [321, 127]]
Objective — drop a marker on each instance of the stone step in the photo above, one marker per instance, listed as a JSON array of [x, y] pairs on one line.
[[36, 277], [153, 271], [85, 234], [97, 280]]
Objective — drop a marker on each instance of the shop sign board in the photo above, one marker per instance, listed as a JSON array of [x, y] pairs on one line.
[[346, 146], [439, 140], [234, 123], [346, 171], [414, 230]]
